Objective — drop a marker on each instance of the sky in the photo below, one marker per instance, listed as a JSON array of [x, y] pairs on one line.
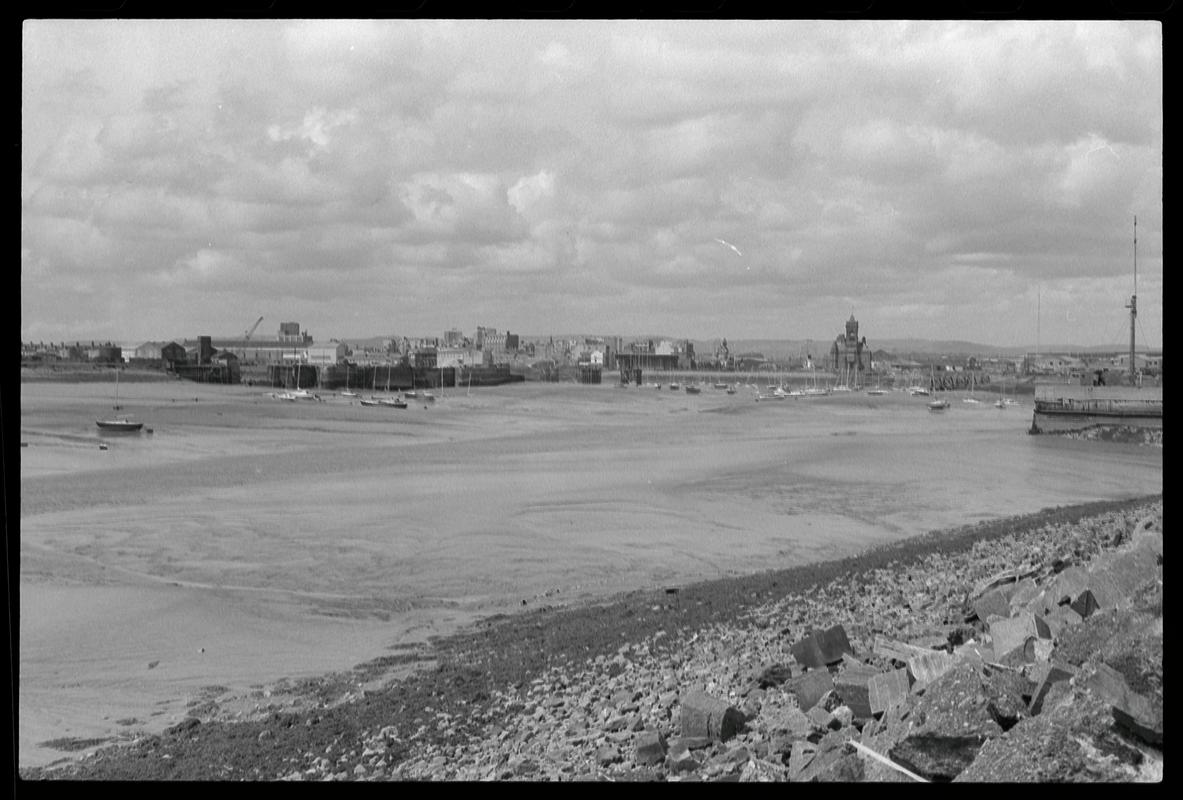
[[969, 180]]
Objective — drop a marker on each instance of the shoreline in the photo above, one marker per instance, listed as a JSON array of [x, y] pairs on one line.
[[472, 667]]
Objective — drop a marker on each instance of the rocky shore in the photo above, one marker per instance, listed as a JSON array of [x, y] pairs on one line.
[[1024, 649]]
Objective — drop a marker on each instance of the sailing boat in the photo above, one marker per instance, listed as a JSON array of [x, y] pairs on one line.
[[1001, 402], [348, 392], [118, 424], [940, 404], [971, 398]]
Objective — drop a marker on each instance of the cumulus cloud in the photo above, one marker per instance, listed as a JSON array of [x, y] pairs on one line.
[[931, 176]]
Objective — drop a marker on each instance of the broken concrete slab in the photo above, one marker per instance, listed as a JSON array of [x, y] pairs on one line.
[[896, 650], [928, 667], [888, 689]]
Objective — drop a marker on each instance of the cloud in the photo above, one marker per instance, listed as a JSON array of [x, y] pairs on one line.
[[489, 166]]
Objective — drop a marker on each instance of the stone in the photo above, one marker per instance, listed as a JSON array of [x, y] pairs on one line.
[[843, 715], [704, 715], [812, 687], [822, 719], [757, 771], [821, 648], [1131, 710], [607, 754], [651, 748], [887, 689], [680, 759], [774, 675], [802, 753], [789, 719], [852, 686]]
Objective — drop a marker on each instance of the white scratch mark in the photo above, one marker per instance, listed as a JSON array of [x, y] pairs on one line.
[[729, 244]]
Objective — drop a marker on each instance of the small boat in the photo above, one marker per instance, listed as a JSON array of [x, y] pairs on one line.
[[730, 390], [693, 389], [373, 401], [876, 392], [721, 385], [940, 404], [393, 402], [123, 425], [918, 391], [674, 386]]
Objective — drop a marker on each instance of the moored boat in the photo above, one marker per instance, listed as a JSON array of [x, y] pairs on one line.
[[119, 425]]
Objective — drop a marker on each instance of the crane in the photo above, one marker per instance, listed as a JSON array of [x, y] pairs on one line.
[[251, 332]]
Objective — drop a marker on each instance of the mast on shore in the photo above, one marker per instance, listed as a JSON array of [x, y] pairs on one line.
[[1133, 306]]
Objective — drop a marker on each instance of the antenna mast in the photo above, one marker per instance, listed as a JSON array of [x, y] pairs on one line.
[[1133, 306]]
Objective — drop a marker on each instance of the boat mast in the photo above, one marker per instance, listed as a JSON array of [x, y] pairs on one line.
[[1133, 305]]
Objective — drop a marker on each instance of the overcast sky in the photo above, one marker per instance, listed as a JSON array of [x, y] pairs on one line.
[[702, 179]]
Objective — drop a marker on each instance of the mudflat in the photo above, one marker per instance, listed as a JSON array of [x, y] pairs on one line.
[[247, 540]]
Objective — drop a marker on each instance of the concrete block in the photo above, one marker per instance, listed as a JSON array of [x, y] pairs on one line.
[[704, 715], [993, 602], [1085, 604], [852, 685], [888, 689], [650, 748], [1022, 593], [1055, 673], [928, 667], [1068, 585], [1061, 617], [1106, 590], [820, 648], [1008, 635], [812, 687]]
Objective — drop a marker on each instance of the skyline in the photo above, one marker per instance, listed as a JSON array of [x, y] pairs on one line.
[[974, 181]]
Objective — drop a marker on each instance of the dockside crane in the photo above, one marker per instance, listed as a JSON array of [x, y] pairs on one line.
[[247, 336]]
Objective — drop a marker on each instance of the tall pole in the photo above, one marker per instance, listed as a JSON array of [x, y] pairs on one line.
[[1133, 306]]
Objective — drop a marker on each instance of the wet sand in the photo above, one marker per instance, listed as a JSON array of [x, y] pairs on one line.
[[247, 540]]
